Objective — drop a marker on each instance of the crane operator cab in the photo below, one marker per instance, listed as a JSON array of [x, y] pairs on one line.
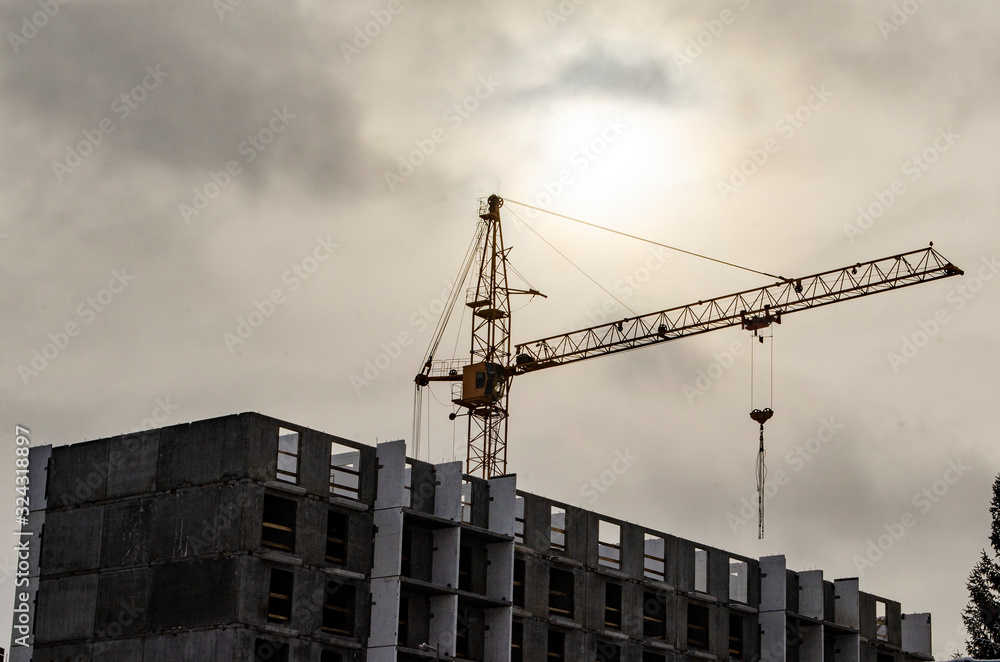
[[482, 384]]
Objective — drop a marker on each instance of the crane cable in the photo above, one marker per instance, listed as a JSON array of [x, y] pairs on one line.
[[761, 416], [648, 241], [456, 289], [577, 267]]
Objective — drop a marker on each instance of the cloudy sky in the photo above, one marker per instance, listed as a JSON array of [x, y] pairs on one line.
[[173, 167]]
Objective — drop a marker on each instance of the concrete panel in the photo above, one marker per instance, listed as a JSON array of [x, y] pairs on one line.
[[72, 540], [391, 474], [772, 636], [262, 447], [917, 633], [126, 533], [718, 574], [500, 571], [503, 498], [847, 648], [132, 464], [78, 473], [196, 522], [811, 594], [448, 495], [314, 462], [38, 476], [122, 601], [193, 593], [193, 454], [423, 487], [444, 623], [75, 653], [66, 609], [444, 563], [537, 520], [311, 521], [125, 650], [632, 551], [811, 648], [847, 610], [189, 646], [385, 611], [388, 548], [772, 583], [496, 644]]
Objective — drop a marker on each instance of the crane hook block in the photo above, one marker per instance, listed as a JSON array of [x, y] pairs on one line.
[[761, 415]]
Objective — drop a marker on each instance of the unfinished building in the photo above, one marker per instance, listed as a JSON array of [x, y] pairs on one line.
[[246, 538]]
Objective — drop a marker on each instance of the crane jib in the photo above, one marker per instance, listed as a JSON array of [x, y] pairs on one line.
[[750, 309]]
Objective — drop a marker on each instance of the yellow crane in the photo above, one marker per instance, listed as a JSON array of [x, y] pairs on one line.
[[483, 379]]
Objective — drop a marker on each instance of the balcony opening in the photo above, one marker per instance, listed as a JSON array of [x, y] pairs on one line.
[[700, 570], [405, 566], [464, 568], [738, 574], [330, 656], [650, 656], [561, 593], [735, 637], [609, 548], [697, 627], [556, 646], [337, 525], [517, 641], [345, 471], [654, 615], [279, 596], [288, 456], [612, 606], [338, 609], [881, 621], [278, 525], [557, 529], [519, 570], [654, 563]]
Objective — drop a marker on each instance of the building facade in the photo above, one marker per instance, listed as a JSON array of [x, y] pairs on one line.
[[249, 539]]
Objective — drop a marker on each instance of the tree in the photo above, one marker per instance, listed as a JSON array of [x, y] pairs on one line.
[[982, 615]]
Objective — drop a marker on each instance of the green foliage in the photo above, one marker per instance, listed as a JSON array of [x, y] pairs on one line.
[[982, 615]]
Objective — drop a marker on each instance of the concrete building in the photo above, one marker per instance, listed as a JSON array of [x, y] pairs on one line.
[[245, 538]]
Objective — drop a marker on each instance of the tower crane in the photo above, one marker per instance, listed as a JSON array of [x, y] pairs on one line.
[[481, 383]]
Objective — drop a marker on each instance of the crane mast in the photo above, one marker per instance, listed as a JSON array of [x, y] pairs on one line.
[[484, 382]]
